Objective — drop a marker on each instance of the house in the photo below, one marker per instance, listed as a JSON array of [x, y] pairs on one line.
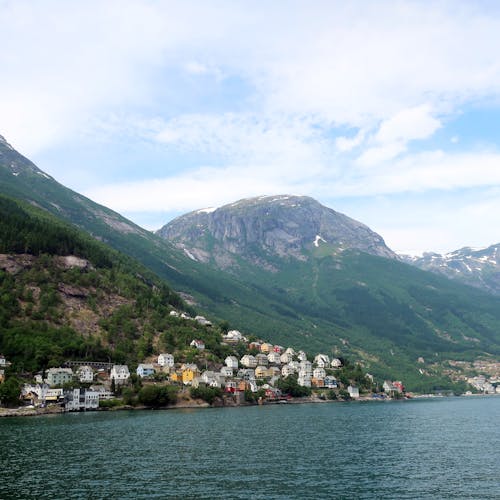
[[199, 344], [278, 349], [203, 321], [353, 391], [233, 337], [246, 374], [81, 399], [56, 377], [249, 361], [41, 394], [287, 370], [174, 314], [273, 371], [266, 347], [186, 375], [335, 363], [302, 356], [3, 361], [295, 365], [261, 372], [304, 380], [145, 370], [286, 357], [317, 382], [330, 382], [166, 359], [120, 374], [254, 345], [305, 367], [322, 361], [231, 362], [261, 359], [231, 386], [102, 392], [226, 371], [274, 358], [85, 374], [290, 350], [319, 373]]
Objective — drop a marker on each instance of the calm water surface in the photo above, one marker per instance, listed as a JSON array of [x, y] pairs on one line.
[[443, 448]]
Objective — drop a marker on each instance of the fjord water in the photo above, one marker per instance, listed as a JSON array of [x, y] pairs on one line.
[[439, 448]]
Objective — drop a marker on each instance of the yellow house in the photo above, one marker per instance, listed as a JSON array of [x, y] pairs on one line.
[[186, 374], [265, 347], [260, 372]]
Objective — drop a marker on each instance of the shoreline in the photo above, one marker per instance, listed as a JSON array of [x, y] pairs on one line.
[[199, 404]]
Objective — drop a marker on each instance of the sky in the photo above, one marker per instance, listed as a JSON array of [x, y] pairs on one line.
[[386, 111]]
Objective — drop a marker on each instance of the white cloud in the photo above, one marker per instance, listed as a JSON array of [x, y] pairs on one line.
[[345, 144]]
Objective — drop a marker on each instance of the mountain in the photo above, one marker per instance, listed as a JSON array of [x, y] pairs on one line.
[[65, 295], [479, 268], [261, 229], [339, 284], [306, 276]]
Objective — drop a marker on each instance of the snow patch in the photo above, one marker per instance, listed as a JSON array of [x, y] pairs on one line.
[[189, 254], [15, 174], [43, 174], [206, 210], [317, 240]]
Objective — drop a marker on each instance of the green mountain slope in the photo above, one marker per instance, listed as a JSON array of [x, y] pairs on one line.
[[64, 295], [379, 310]]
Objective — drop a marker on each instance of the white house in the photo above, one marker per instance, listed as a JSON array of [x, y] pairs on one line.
[[274, 358], [304, 380], [226, 371], [249, 361], [305, 367], [81, 399], [174, 314], [319, 373], [286, 357], [302, 356], [290, 350], [59, 376], [145, 370], [85, 374], [203, 321], [166, 359], [353, 391], [261, 359], [199, 344], [336, 363], [231, 362], [234, 336], [3, 361], [322, 360], [120, 374], [287, 370]]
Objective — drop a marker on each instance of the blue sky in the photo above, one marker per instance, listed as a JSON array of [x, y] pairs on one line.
[[386, 111]]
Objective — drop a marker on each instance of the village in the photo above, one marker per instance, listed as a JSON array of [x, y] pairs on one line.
[[256, 376]]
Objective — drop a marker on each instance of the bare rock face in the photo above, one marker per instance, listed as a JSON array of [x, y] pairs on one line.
[[269, 226]]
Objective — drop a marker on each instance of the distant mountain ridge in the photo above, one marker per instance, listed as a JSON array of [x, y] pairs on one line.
[[264, 227], [477, 267]]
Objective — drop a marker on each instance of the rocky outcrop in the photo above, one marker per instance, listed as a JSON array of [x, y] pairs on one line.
[[269, 226]]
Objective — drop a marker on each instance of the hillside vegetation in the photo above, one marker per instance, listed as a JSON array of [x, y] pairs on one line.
[[64, 295]]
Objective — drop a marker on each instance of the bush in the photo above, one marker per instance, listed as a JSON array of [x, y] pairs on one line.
[[208, 394], [109, 403], [157, 395]]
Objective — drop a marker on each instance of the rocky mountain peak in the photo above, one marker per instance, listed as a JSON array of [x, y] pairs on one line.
[[285, 226]]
